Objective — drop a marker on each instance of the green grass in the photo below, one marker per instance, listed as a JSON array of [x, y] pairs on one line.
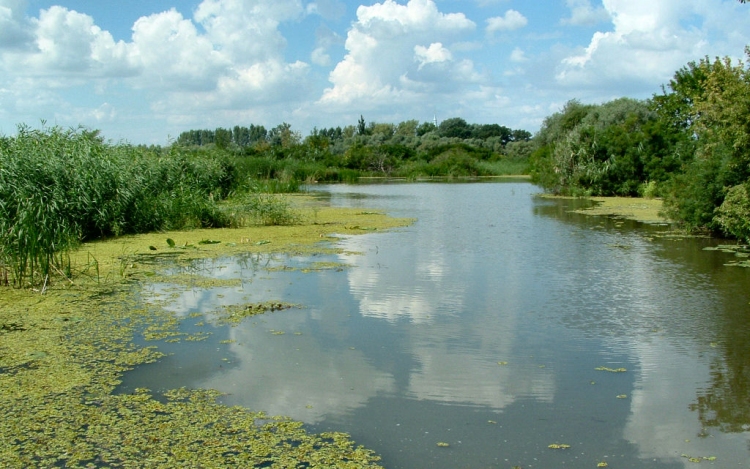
[[61, 187]]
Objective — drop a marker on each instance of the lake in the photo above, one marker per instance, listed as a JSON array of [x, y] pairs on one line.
[[495, 326]]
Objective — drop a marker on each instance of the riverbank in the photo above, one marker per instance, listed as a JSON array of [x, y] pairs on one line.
[[66, 344]]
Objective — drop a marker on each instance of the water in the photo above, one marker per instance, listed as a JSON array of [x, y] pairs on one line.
[[481, 326]]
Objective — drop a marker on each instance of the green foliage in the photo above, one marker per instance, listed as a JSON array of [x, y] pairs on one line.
[[265, 208], [733, 215], [58, 188], [425, 127], [716, 97], [598, 150], [455, 127]]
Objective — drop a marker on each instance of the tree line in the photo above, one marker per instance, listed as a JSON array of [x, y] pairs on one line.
[[409, 148], [689, 144]]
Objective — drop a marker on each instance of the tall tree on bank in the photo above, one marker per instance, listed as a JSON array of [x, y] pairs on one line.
[[712, 192]]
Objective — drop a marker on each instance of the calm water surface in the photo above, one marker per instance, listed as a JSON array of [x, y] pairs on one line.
[[482, 326]]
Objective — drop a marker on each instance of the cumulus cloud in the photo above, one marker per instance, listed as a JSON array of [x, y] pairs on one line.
[[434, 54], [649, 42], [170, 53], [13, 33], [229, 54], [511, 21], [582, 13], [392, 52]]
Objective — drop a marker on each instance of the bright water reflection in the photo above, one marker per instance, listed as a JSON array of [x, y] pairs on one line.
[[482, 326]]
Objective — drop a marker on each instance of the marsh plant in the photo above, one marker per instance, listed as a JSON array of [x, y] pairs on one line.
[[260, 207], [60, 187]]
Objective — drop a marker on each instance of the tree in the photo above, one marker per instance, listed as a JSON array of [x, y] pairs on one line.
[[282, 135], [361, 126], [719, 126], [424, 128], [407, 128], [595, 149], [454, 127], [222, 138]]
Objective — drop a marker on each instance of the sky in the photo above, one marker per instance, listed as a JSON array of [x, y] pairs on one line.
[[143, 71]]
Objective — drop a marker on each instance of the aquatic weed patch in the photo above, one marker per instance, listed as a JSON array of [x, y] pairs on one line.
[[741, 253], [59, 371], [62, 354], [235, 314]]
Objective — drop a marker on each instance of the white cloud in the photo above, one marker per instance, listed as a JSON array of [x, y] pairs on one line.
[[518, 55], [582, 13], [325, 38], [328, 9], [247, 32], [13, 33], [230, 54], [649, 42], [436, 53], [389, 52], [171, 54], [511, 21]]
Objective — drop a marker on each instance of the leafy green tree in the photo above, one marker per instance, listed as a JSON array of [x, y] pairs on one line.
[[733, 215], [222, 138], [407, 128], [520, 135], [595, 149], [492, 130], [282, 135], [455, 127], [719, 125], [425, 128]]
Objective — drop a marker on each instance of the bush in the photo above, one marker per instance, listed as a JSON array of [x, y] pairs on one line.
[[733, 216]]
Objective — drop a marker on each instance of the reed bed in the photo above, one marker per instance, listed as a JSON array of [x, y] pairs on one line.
[[60, 187]]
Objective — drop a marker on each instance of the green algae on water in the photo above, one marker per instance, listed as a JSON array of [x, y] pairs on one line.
[[63, 353]]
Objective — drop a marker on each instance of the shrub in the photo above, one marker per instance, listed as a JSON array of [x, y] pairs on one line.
[[733, 216]]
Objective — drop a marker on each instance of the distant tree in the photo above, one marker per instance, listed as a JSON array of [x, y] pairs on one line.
[[424, 128], [407, 128], [384, 130], [349, 131], [361, 126], [520, 135], [454, 127], [222, 138], [282, 135], [486, 131]]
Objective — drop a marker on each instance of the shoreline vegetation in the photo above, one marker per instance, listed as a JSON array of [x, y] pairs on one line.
[[63, 353]]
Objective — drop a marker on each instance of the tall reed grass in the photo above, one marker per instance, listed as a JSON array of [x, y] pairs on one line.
[[60, 187]]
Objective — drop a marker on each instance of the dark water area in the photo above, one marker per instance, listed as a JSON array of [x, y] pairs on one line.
[[482, 326]]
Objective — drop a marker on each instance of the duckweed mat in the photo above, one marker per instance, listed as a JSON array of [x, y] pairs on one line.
[[65, 346]]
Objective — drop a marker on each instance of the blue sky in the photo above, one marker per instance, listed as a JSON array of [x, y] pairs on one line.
[[145, 70]]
